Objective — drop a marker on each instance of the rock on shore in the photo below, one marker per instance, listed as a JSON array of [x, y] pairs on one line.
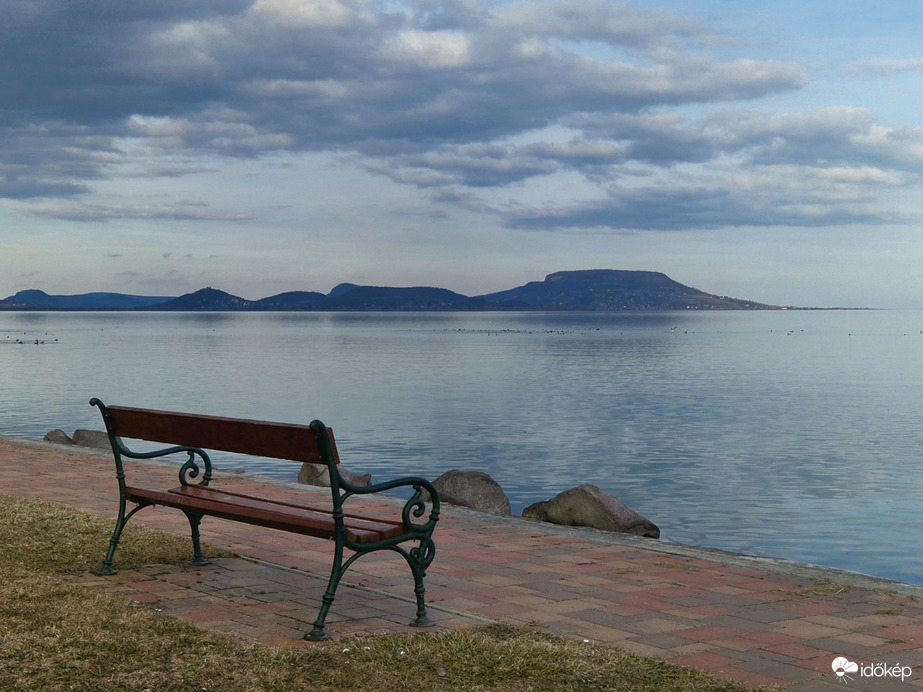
[[58, 437], [587, 505], [92, 438], [96, 439], [317, 474], [474, 489]]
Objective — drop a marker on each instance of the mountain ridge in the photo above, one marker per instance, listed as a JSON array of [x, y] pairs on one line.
[[84, 301], [614, 290]]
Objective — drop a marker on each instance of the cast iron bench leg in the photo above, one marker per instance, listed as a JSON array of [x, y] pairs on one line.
[[318, 633], [106, 568], [198, 559], [419, 559]]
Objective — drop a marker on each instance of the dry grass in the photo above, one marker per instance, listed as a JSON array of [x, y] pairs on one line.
[[45, 537], [821, 588], [889, 611], [59, 636]]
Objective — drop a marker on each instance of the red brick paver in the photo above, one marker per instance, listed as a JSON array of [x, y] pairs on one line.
[[758, 624]]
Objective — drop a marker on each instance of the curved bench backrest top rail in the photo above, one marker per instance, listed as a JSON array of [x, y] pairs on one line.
[[238, 435]]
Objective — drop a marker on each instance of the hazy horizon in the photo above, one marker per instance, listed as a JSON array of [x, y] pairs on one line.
[[766, 152]]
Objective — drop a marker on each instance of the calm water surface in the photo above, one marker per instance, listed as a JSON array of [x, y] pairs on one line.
[[791, 434]]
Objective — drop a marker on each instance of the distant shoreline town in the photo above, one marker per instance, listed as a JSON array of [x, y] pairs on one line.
[[591, 289]]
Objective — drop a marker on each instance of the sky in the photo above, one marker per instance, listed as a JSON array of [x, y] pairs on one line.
[[768, 151]]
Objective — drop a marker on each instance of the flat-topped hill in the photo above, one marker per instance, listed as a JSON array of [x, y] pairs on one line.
[[590, 289]]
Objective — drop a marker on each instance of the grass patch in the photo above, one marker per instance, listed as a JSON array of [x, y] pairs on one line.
[[821, 587], [59, 636], [45, 537], [889, 611]]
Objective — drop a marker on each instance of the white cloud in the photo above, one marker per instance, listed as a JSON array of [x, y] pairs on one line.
[[454, 97], [323, 89], [99, 213], [593, 20], [431, 50], [304, 14], [182, 51]]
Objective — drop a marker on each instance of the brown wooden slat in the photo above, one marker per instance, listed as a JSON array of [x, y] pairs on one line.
[[386, 527], [285, 517], [314, 524], [243, 436]]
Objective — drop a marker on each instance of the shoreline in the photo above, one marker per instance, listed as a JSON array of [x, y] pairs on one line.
[[763, 622], [776, 565]]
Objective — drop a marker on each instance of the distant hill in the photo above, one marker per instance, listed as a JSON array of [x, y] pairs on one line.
[[377, 298], [39, 300], [345, 297], [291, 301], [615, 290], [341, 289], [591, 289], [205, 299]]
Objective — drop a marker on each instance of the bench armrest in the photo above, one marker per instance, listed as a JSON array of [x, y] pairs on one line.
[[414, 509], [189, 469]]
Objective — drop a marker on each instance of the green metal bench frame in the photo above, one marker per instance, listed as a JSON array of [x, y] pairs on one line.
[[191, 434]]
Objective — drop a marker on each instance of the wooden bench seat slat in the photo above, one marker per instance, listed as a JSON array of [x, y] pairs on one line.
[[286, 517], [318, 526], [385, 526]]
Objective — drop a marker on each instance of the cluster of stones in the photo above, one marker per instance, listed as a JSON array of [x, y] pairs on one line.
[[82, 438], [584, 505]]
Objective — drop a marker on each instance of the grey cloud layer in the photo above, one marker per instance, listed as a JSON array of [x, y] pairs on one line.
[[454, 97]]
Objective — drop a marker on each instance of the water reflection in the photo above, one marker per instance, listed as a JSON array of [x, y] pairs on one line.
[[776, 433]]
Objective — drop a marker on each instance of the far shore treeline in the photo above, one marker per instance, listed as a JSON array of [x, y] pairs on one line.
[[591, 289]]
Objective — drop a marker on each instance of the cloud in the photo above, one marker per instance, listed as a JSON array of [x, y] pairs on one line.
[[101, 213], [596, 20], [664, 208], [50, 160], [473, 165], [887, 65], [317, 14], [15, 187], [832, 167], [481, 106], [432, 50], [178, 170], [187, 73]]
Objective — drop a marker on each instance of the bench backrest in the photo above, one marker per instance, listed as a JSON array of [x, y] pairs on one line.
[[242, 436]]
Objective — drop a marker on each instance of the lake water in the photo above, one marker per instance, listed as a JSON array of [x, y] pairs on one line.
[[795, 434]]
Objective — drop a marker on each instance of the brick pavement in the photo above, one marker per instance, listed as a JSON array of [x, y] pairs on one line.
[[758, 621]]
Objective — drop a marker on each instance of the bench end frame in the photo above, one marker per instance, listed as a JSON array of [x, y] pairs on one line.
[[190, 469]]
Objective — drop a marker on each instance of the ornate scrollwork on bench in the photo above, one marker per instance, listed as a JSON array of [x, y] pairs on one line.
[[191, 470]]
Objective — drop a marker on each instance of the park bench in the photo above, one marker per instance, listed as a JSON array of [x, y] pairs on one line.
[[410, 534]]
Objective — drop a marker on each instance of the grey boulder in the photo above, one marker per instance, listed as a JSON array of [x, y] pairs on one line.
[[474, 489], [587, 505], [317, 474], [58, 436], [92, 438]]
